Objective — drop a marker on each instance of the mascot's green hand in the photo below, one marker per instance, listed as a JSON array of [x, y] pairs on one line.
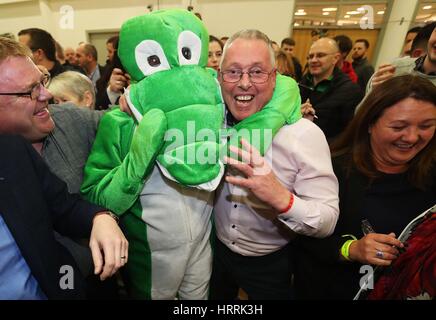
[[146, 143]]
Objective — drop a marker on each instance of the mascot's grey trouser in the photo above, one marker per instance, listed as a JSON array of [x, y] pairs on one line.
[[178, 222]]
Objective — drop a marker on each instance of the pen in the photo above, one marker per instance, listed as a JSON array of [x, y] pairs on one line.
[[366, 227]]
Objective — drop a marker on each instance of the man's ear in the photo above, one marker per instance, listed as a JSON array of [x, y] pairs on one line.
[[274, 76], [37, 55], [417, 53], [336, 57], [219, 75]]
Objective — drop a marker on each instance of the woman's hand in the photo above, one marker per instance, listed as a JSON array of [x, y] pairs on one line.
[[375, 248]]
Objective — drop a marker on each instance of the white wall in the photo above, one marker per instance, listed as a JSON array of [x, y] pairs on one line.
[[224, 18], [221, 17]]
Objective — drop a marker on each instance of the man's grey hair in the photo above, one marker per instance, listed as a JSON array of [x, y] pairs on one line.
[[250, 34]]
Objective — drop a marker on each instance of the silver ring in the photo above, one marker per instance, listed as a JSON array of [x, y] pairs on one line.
[[379, 254]]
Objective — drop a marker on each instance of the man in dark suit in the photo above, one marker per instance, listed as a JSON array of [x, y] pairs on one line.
[[34, 203], [62, 135]]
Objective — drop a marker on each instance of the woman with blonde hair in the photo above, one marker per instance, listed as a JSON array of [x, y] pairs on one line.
[[71, 86]]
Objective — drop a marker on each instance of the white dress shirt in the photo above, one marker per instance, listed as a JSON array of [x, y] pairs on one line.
[[300, 158]]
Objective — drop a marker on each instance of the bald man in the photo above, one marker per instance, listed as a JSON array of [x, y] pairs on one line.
[[331, 92], [86, 55]]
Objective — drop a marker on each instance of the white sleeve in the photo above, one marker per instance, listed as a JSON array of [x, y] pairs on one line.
[[113, 96], [315, 210]]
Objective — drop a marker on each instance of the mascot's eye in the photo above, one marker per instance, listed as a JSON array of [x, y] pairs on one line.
[[186, 53], [150, 57], [189, 48], [153, 61]]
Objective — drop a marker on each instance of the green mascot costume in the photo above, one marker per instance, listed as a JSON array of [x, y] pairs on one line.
[[157, 170]]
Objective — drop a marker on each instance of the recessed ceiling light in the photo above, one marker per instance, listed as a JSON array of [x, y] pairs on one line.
[[347, 16], [329, 9], [380, 12], [300, 13], [325, 13], [426, 7], [300, 10]]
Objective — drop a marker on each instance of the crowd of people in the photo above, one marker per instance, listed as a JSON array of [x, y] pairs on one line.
[[349, 148]]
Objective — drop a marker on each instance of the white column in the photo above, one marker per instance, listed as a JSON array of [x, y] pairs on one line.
[[392, 39]]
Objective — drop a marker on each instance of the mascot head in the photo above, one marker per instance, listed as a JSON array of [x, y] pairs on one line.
[[165, 52]]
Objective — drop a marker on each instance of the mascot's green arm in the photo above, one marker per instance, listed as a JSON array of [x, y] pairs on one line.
[[121, 158]]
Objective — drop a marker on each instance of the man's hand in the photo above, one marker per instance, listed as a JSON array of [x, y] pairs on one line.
[[384, 72], [260, 178], [108, 245], [118, 80], [307, 111]]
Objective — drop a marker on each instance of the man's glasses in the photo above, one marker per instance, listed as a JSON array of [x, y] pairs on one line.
[[319, 55], [34, 92], [256, 76]]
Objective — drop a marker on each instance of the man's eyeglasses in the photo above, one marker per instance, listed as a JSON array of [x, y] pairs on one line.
[[319, 55], [256, 76], [34, 92]]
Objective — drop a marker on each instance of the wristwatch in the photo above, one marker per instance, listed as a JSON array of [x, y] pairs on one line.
[[110, 213]]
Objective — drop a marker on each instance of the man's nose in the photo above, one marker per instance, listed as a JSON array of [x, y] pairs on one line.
[[44, 94], [245, 81]]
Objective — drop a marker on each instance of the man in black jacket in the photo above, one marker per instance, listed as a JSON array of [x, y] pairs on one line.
[[34, 203], [331, 93], [361, 65], [43, 48]]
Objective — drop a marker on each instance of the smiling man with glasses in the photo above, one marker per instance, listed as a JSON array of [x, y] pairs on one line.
[[24, 100], [62, 135], [331, 92], [266, 199]]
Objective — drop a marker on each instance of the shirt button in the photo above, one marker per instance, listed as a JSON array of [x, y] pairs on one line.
[[235, 205], [233, 226], [233, 242]]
